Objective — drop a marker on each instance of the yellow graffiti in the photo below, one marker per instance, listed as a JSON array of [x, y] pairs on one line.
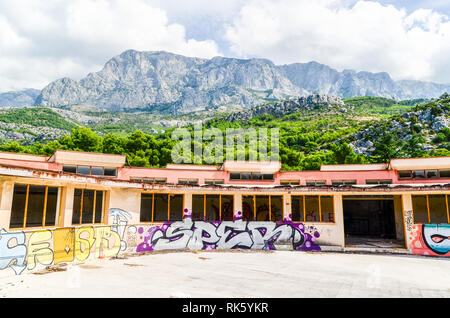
[[39, 250], [64, 245], [83, 245], [47, 247], [103, 241]]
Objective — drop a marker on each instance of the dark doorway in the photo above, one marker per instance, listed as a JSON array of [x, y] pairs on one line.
[[369, 218]]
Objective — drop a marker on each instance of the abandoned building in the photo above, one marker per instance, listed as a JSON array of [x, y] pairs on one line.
[[72, 205]]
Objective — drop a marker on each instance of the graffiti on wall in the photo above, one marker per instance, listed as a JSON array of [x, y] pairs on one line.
[[203, 235], [13, 251], [409, 220], [47, 247], [120, 221], [431, 239], [20, 250]]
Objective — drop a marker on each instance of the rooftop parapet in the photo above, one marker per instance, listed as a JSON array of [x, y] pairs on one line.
[[420, 163], [252, 166], [87, 158]]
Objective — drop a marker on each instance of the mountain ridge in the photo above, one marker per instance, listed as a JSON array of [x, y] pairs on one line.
[[171, 83], [23, 97]]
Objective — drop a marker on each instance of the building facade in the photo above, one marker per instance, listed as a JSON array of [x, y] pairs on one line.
[[72, 206]]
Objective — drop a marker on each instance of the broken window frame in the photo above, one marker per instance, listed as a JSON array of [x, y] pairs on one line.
[[428, 207], [315, 183], [103, 210], [149, 180], [152, 211], [44, 210], [249, 176], [425, 172], [303, 198], [289, 182], [214, 181], [220, 205], [337, 183], [270, 204], [65, 169], [185, 181], [378, 181]]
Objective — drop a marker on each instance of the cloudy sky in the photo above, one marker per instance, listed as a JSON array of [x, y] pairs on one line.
[[41, 41]]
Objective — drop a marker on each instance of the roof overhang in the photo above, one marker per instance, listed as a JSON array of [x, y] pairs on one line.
[[421, 163], [23, 156]]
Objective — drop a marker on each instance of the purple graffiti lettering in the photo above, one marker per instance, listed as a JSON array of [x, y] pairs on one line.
[[202, 235]]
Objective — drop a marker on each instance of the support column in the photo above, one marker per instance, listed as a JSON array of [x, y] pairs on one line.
[[6, 191], [237, 204], [187, 203], [399, 219], [107, 219], [408, 218], [339, 220], [287, 209], [67, 206]]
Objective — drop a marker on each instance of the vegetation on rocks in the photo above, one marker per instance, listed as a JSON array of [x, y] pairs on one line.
[[360, 130]]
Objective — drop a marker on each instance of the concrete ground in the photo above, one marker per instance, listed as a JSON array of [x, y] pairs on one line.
[[241, 274]]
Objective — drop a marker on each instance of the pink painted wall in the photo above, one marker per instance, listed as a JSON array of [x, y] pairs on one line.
[[328, 176], [173, 175]]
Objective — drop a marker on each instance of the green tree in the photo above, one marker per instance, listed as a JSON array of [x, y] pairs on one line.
[[114, 144], [414, 147], [387, 146], [82, 139], [344, 154], [440, 153], [14, 146]]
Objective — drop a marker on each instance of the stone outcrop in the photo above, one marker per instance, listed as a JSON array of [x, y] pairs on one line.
[[289, 106]]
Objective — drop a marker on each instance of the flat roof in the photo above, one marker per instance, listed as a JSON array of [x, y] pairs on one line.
[[420, 163], [88, 158], [23, 156]]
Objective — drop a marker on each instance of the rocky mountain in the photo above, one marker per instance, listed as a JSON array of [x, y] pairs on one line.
[[19, 98], [173, 83], [290, 106], [176, 84]]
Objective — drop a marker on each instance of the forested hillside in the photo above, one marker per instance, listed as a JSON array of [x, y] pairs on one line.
[[309, 137]]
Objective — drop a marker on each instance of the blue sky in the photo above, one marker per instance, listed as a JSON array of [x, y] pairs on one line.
[[411, 5], [41, 41]]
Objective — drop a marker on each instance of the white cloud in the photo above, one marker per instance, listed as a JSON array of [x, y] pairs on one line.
[[366, 36], [41, 41]]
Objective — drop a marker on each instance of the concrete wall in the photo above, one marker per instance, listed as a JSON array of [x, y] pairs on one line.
[[31, 249]]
